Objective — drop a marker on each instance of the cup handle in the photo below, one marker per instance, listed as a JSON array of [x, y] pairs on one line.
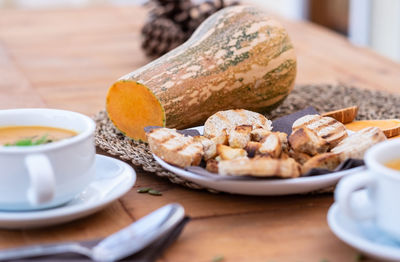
[[344, 191], [42, 181]]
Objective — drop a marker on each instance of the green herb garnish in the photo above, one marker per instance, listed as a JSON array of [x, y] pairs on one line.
[[143, 190], [149, 190], [218, 258], [154, 192], [31, 141], [359, 257]]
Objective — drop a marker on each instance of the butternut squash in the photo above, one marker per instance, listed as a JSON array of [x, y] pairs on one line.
[[238, 58], [345, 115], [390, 127]]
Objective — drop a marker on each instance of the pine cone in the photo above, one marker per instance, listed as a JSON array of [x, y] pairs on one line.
[[161, 35], [173, 21], [201, 12], [169, 8]]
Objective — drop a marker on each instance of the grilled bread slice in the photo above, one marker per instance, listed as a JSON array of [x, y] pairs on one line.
[[228, 153], [260, 167], [175, 148], [212, 166], [358, 143], [209, 147], [300, 158], [221, 139], [305, 140], [271, 145], [229, 119], [259, 133], [240, 136], [327, 128], [326, 161], [283, 137], [252, 148]]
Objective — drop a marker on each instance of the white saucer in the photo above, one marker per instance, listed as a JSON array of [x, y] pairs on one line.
[[365, 236], [113, 179]]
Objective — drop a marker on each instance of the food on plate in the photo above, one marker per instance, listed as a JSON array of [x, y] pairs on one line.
[[240, 136], [252, 148], [325, 161], [357, 144], [305, 140], [390, 127], [301, 158], [345, 115], [238, 58], [271, 145], [260, 167], [212, 166], [283, 137], [242, 143], [209, 147], [259, 133], [32, 135], [222, 123], [228, 153], [222, 138], [175, 148], [329, 129]]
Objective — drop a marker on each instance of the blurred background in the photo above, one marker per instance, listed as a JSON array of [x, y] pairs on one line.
[[370, 23]]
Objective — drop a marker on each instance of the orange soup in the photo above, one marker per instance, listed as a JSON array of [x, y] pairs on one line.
[[32, 135], [393, 164]]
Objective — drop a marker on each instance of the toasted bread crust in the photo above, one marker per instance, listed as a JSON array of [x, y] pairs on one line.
[[228, 153], [209, 147], [175, 148], [260, 167], [300, 158], [357, 144], [259, 133], [229, 119], [252, 148], [221, 139], [304, 140], [327, 128], [240, 136], [326, 161], [212, 166], [271, 145]]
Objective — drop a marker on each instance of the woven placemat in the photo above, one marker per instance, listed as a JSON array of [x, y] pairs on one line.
[[372, 105]]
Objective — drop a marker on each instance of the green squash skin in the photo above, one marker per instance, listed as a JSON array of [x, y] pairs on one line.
[[237, 58]]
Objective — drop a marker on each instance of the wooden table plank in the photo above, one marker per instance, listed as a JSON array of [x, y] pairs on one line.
[[15, 89], [81, 51], [326, 57], [263, 236], [101, 224]]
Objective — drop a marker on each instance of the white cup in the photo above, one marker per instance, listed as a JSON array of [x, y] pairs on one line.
[[47, 175], [383, 189]]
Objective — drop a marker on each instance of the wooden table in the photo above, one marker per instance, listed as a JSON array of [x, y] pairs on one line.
[[68, 58]]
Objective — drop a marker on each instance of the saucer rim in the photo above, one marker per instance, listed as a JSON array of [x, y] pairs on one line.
[[82, 209], [357, 241]]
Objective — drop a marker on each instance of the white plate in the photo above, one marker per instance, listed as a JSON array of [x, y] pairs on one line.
[[364, 236], [113, 179], [260, 186]]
